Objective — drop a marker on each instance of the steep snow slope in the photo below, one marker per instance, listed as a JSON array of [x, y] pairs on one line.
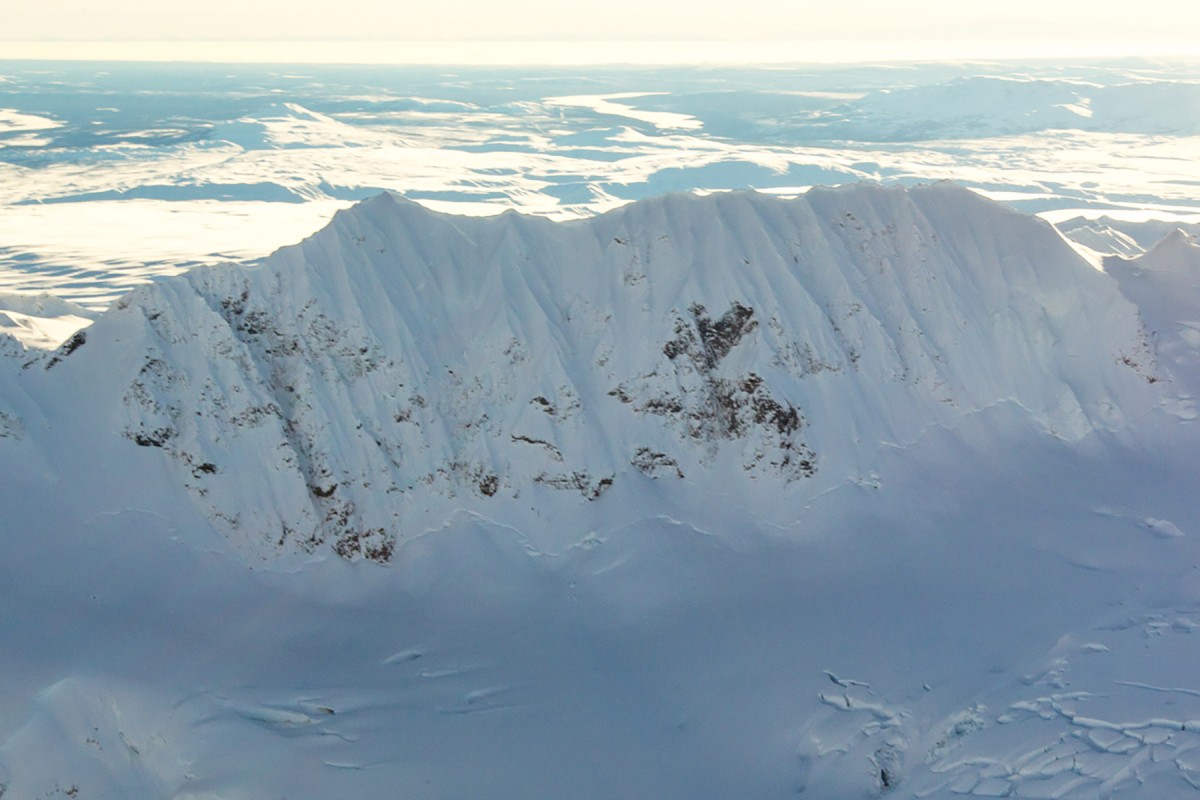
[[877, 491], [1165, 285], [401, 363]]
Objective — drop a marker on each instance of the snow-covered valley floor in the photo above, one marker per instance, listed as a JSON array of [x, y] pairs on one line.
[[1019, 622]]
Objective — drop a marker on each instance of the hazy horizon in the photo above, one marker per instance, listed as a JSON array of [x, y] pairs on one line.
[[568, 52], [628, 31]]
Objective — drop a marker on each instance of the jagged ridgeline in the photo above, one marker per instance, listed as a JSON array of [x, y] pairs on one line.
[[348, 393]]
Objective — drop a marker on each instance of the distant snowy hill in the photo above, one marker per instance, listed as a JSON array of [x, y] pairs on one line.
[[1122, 237], [873, 492], [982, 106], [41, 321]]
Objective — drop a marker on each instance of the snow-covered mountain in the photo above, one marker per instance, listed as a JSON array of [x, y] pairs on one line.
[[874, 491], [402, 363], [1121, 237]]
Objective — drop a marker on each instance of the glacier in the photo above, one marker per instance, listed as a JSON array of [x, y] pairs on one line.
[[873, 491]]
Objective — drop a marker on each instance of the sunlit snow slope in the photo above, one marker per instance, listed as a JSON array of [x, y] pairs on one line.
[[874, 491], [401, 363]]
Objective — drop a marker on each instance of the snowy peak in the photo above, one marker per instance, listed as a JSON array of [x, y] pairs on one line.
[[41, 321], [1177, 252], [1125, 238], [1164, 283], [402, 364]]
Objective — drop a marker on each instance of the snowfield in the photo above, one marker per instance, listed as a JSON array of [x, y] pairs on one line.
[[876, 491]]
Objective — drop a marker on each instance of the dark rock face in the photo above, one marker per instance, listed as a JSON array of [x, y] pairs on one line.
[[710, 406]]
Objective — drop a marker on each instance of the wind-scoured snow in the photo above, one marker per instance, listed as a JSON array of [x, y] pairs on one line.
[[875, 491]]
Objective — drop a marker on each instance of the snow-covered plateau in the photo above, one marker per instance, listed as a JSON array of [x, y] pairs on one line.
[[875, 491]]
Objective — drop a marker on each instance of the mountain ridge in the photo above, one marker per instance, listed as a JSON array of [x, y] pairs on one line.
[[403, 363]]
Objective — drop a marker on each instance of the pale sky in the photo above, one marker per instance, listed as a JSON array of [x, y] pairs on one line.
[[1026, 27]]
